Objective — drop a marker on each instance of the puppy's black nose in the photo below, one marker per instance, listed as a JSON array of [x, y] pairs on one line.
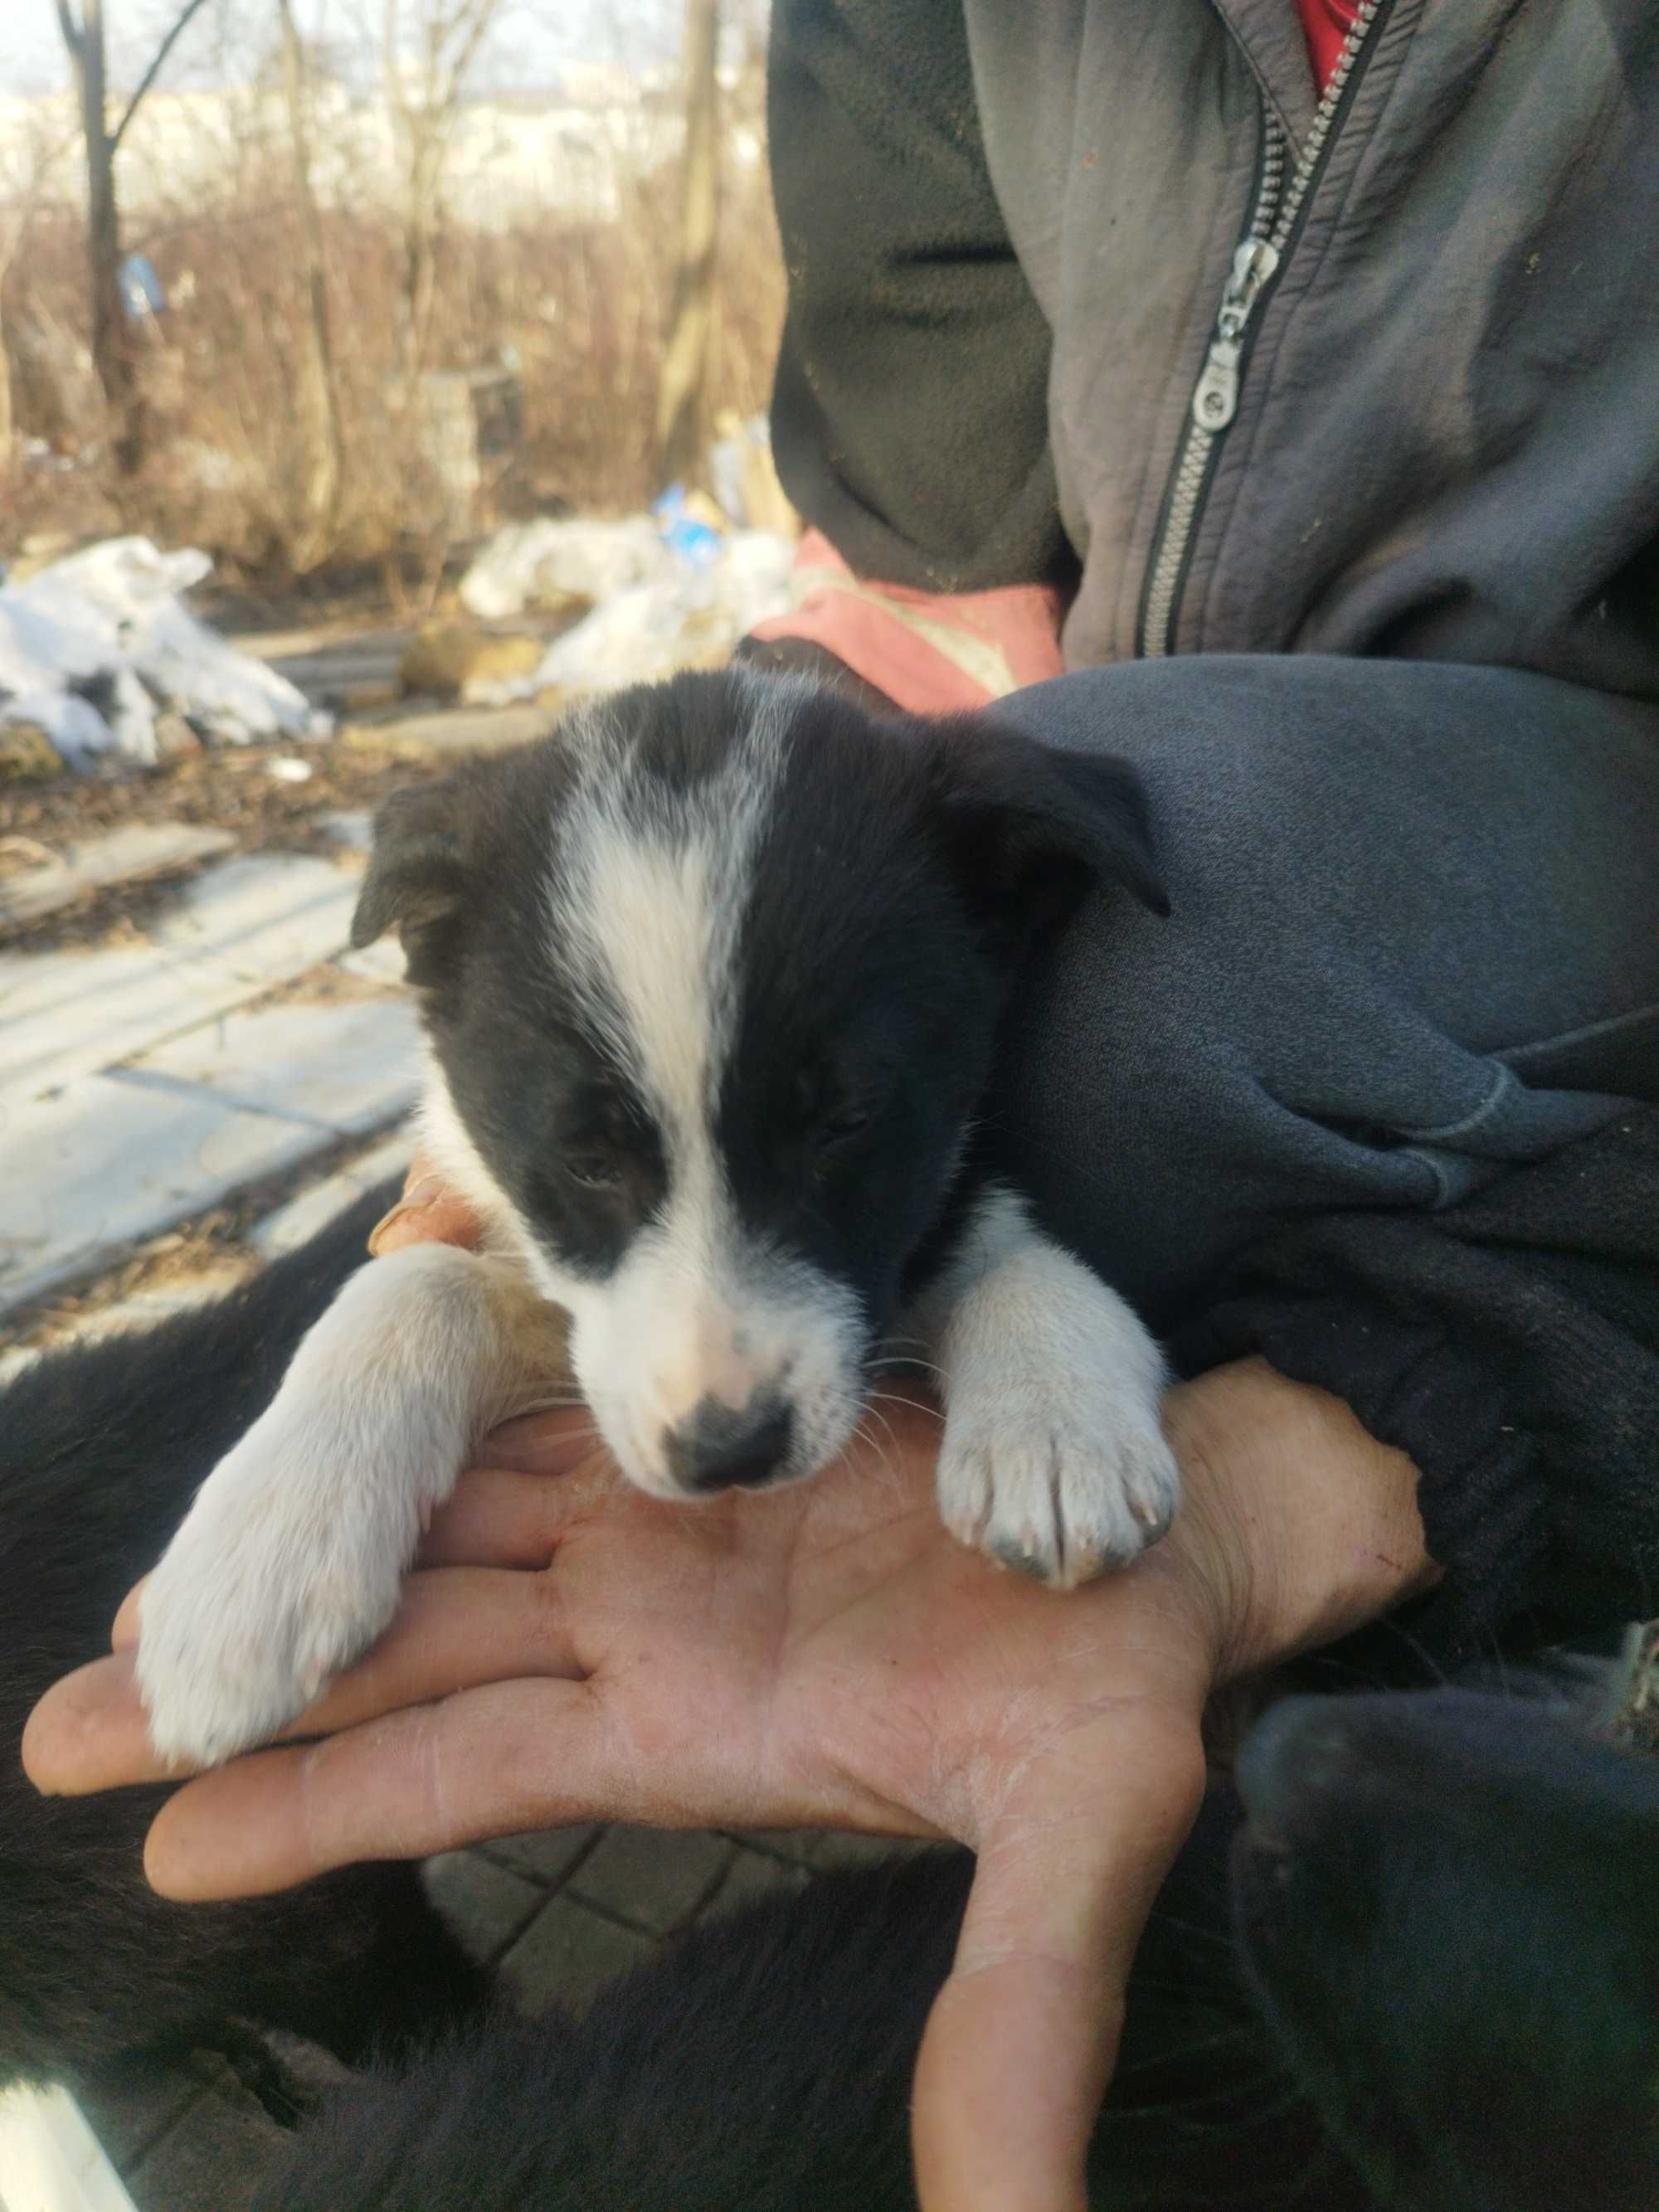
[[725, 1448], [1297, 1754]]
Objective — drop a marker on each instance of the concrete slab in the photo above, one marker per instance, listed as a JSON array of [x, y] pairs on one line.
[[458, 729], [490, 1906], [292, 1225], [144, 1310], [88, 1174], [568, 1955], [351, 828], [343, 1066], [125, 856], [545, 1855], [381, 963], [50, 2160], [654, 1877], [246, 925]]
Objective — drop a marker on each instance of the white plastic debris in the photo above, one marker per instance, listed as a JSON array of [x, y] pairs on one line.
[[687, 617], [94, 646], [547, 561]]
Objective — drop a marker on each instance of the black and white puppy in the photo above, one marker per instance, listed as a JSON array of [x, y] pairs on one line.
[[712, 979]]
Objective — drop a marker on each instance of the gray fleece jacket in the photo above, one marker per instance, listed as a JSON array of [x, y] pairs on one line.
[[1101, 290]]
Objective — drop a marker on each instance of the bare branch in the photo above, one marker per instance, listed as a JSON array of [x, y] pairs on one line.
[[70, 29], [483, 16], [155, 69]]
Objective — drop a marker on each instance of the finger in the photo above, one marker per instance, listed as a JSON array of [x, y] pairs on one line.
[[87, 1733], [495, 1518], [453, 1630], [492, 1761], [1023, 2034], [550, 1442], [428, 1215], [500, 1518]]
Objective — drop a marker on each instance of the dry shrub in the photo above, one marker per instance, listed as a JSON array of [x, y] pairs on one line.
[[577, 307]]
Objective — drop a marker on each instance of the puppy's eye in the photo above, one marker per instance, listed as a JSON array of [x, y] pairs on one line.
[[593, 1170], [842, 1124]]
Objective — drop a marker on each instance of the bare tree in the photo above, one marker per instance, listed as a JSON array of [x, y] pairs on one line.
[[682, 389], [426, 90], [319, 408], [113, 354]]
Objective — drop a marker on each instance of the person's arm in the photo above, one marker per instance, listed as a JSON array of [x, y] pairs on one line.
[[1509, 1345], [910, 420], [910, 415]]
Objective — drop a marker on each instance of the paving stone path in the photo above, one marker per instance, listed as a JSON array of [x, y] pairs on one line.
[[559, 1914]]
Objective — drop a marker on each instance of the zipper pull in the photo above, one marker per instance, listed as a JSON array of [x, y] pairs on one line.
[[1215, 396], [1253, 265]]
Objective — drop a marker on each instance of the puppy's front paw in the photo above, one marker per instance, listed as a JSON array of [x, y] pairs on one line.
[[1060, 1492], [255, 1604]]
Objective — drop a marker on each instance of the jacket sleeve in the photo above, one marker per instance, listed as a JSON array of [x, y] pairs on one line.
[[909, 416], [1510, 1347]]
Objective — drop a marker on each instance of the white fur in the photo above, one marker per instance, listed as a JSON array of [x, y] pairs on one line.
[[646, 905], [1053, 1459], [289, 1562]]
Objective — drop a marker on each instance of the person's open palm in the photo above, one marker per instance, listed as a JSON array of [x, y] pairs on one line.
[[824, 1655]]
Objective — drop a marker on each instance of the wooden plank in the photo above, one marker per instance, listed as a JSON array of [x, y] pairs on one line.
[[117, 1158], [89, 1174], [348, 1067], [248, 923], [126, 855]]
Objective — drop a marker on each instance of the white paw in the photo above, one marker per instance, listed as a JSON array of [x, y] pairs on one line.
[[260, 1599], [1062, 1492]]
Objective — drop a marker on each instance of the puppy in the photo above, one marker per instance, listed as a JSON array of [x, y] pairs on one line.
[[1417, 1970], [711, 980], [1448, 1925], [100, 1447]]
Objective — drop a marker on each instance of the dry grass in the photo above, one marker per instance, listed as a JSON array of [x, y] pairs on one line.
[[579, 307]]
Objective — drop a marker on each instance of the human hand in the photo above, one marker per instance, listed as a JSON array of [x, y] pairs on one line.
[[571, 1650], [429, 1212]]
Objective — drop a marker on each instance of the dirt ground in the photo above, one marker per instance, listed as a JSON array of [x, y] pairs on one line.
[[231, 789]]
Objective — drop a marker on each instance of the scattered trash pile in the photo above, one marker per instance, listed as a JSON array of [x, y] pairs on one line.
[[673, 589], [99, 658]]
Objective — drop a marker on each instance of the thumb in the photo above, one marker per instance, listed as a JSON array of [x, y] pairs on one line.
[[429, 1212], [1023, 2035]]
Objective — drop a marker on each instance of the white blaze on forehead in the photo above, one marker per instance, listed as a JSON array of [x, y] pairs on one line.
[[649, 906], [647, 909]]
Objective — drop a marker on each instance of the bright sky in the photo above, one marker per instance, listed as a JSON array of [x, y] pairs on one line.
[[228, 37]]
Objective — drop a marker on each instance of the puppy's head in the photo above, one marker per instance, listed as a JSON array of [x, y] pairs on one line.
[[711, 978], [1446, 1903]]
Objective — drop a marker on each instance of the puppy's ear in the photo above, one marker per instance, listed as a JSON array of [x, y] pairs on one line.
[[1032, 828], [418, 881]]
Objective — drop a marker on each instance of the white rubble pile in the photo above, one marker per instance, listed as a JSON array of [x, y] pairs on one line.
[[540, 563], [655, 608], [94, 647]]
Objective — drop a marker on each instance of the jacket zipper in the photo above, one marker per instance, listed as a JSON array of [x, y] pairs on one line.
[[1280, 201]]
